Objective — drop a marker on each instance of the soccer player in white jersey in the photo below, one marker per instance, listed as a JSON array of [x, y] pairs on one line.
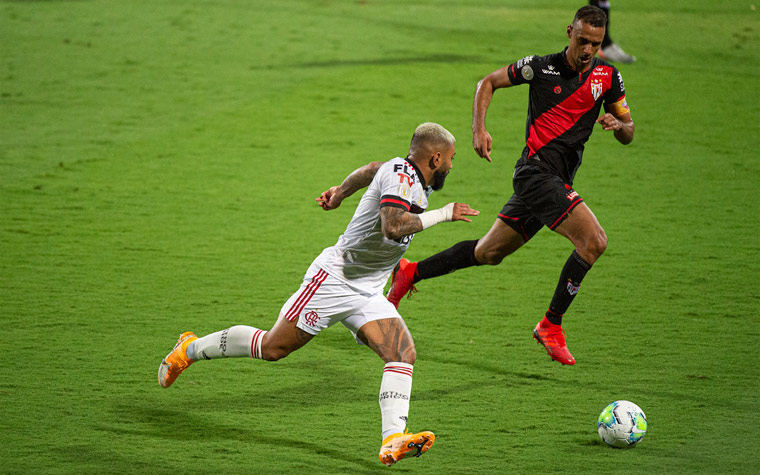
[[345, 283]]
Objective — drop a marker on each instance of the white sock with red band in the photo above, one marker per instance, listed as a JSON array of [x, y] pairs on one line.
[[395, 392], [237, 341]]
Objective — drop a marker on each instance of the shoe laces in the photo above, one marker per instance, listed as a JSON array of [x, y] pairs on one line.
[[412, 290], [557, 334], [406, 432]]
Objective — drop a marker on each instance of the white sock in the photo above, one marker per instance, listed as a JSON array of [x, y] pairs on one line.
[[395, 392], [237, 341]]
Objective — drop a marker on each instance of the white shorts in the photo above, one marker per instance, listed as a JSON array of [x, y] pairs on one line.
[[324, 300]]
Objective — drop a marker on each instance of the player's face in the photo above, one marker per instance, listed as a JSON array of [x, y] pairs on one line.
[[585, 41], [440, 174]]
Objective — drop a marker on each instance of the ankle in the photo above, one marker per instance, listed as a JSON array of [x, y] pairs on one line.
[[547, 323]]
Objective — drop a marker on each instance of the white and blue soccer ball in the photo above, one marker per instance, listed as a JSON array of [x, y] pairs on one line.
[[622, 424]]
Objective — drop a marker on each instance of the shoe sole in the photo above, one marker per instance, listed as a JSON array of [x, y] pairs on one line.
[[422, 443]]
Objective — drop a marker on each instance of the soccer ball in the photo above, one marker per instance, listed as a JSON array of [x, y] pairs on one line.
[[622, 424]]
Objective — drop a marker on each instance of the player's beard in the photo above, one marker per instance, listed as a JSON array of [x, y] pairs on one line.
[[438, 179]]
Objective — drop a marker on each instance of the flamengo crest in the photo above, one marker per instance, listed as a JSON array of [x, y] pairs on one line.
[[311, 318]]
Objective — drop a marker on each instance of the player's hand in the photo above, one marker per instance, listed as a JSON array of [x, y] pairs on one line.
[[609, 122], [461, 210], [331, 198], [481, 142]]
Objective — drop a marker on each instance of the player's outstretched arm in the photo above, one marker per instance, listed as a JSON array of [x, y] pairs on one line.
[[358, 179], [481, 139], [398, 223]]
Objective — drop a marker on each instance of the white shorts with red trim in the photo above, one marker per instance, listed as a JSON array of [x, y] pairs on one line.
[[324, 300]]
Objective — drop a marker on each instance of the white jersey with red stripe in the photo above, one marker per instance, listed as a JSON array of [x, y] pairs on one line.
[[363, 257]]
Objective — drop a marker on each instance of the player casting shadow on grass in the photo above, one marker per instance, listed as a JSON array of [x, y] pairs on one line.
[[345, 283], [567, 92]]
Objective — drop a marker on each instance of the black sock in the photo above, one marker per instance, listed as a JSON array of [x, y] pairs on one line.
[[569, 284], [456, 257], [605, 6]]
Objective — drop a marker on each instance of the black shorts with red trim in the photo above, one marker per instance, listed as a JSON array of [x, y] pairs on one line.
[[540, 199]]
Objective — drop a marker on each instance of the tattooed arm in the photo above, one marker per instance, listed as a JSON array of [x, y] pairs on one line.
[[398, 223], [360, 178]]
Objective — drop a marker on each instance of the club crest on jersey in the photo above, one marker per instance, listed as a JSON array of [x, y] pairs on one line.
[[311, 318], [596, 88]]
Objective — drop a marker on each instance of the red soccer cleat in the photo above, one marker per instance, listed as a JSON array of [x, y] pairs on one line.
[[402, 281], [553, 338]]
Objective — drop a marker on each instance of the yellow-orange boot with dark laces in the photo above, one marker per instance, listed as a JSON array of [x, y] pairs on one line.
[[177, 361], [397, 446]]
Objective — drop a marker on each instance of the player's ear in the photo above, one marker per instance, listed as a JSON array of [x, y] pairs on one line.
[[569, 31], [435, 160]]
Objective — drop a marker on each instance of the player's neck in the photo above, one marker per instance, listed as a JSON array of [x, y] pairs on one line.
[[574, 67], [423, 171]]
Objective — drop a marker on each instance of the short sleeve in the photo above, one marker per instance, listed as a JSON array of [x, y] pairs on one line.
[[521, 71], [616, 92], [614, 99], [395, 187]]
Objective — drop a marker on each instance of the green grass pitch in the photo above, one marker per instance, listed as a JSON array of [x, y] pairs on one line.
[[159, 162]]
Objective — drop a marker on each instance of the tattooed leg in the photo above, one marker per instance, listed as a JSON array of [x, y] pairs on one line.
[[283, 339], [390, 339]]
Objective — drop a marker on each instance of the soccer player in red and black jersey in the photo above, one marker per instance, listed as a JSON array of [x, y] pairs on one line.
[[567, 92]]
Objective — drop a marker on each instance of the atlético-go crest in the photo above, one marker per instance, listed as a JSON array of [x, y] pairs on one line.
[[596, 88]]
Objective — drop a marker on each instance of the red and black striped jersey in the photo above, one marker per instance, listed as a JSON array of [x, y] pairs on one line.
[[563, 106]]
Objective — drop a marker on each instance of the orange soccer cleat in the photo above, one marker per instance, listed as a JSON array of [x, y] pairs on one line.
[[402, 281], [177, 361], [397, 446], [553, 338]]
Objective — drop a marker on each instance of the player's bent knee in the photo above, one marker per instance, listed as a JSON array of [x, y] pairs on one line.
[[409, 356], [275, 353], [406, 355], [594, 247], [598, 244], [489, 257]]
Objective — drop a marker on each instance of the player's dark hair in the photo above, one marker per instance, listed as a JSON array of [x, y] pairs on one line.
[[591, 15]]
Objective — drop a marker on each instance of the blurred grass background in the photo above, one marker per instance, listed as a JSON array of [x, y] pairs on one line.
[[158, 166]]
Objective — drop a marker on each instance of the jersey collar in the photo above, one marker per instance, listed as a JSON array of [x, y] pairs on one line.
[[569, 69], [417, 171]]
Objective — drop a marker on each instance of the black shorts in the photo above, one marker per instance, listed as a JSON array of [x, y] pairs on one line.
[[541, 199]]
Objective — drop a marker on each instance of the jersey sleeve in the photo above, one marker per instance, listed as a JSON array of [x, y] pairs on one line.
[[521, 71], [395, 188], [614, 98]]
